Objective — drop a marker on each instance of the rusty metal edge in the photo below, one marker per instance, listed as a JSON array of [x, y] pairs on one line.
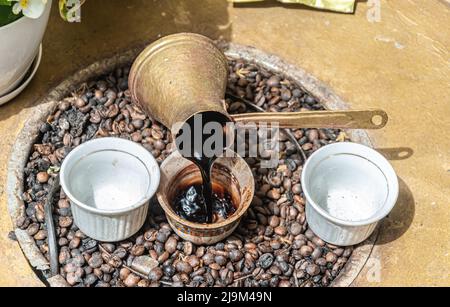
[[29, 133]]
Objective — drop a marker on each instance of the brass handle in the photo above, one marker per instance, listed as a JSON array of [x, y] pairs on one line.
[[353, 119]]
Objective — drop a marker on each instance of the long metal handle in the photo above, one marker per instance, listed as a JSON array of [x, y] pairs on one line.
[[353, 119]]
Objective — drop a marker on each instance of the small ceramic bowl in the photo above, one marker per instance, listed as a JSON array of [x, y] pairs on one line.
[[231, 172]]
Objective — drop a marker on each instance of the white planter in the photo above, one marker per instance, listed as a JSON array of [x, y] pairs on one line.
[[19, 45]]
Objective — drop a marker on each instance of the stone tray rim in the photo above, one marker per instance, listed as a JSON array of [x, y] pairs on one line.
[[29, 133]]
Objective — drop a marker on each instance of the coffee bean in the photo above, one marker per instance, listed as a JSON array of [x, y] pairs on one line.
[[163, 257], [171, 245], [89, 244], [63, 204], [347, 252], [265, 261], [169, 270], [318, 241], [297, 93], [221, 260], [138, 123], [72, 278], [150, 235], [40, 235], [90, 280], [286, 94], [157, 134], [163, 235], [184, 267], [313, 135], [295, 228], [317, 253], [280, 230], [79, 103], [309, 234], [208, 258], [215, 266], [338, 252], [236, 255], [273, 81], [159, 145], [65, 221], [124, 272], [156, 274], [33, 229], [42, 177], [74, 243], [63, 241], [95, 261], [310, 100], [306, 251], [274, 221], [321, 261], [137, 250], [188, 248], [296, 189], [307, 146], [273, 194], [312, 269], [136, 137], [331, 257], [287, 184], [131, 280], [106, 268], [143, 283], [193, 261], [177, 284], [284, 283]]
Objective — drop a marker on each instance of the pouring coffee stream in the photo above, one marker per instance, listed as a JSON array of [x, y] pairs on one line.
[[200, 202], [189, 73]]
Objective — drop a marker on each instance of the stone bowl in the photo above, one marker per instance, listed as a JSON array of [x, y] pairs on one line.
[[30, 132]]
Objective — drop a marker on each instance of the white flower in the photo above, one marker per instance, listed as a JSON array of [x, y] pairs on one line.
[[29, 8]]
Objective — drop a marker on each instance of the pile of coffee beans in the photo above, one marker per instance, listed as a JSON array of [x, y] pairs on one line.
[[272, 246]]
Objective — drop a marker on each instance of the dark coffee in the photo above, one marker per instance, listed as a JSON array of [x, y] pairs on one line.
[[195, 134], [190, 204]]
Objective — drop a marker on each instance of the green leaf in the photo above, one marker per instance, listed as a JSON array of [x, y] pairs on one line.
[[66, 10], [5, 2], [63, 9], [53, 170], [7, 16]]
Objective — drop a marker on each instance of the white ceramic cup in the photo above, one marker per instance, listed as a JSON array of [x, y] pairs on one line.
[[348, 188], [109, 182], [19, 45]]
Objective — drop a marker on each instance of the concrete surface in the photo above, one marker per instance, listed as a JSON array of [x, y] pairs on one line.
[[400, 64]]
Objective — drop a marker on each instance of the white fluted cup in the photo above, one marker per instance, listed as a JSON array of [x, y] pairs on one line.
[[349, 188], [109, 182]]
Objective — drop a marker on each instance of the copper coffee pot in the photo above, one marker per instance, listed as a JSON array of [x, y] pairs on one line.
[[181, 75]]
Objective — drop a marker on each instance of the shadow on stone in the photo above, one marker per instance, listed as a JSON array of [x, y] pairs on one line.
[[397, 153], [400, 218]]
